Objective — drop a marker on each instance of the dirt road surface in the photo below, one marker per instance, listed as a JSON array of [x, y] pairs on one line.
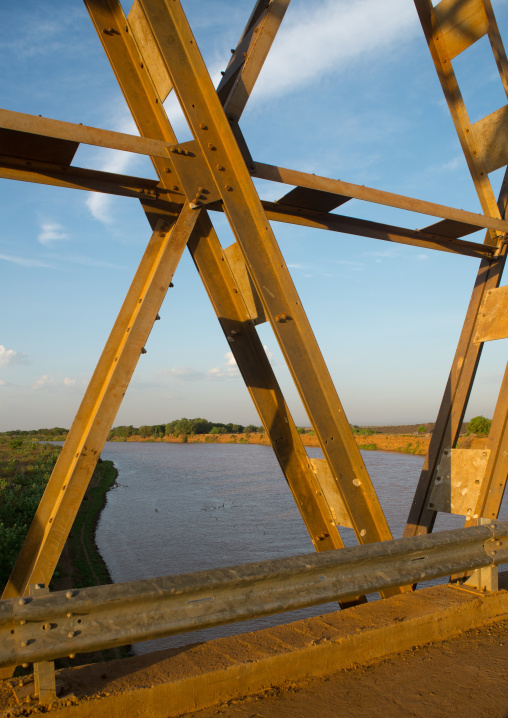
[[466, 676]]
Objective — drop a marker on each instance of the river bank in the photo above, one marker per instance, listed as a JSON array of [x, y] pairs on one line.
[[416, 444]]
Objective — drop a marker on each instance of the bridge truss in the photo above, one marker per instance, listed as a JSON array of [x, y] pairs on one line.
[[153, 52]]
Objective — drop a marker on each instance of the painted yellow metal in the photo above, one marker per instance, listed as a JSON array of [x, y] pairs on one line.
[[154, 51], [266, 265], [442, 28], [68, 482], [456, 395], [225, 296], [369, 194]]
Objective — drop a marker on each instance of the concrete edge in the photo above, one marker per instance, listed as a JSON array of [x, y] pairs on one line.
[[234, 667]]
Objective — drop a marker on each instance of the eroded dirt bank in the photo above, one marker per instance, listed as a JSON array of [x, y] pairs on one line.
[[400, 443]]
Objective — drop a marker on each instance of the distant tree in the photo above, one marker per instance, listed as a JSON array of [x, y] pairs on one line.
[[421, 429], [479, 425], [250, 429], [218, 430]]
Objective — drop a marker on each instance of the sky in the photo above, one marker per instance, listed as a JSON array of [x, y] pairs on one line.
[[349, 91]]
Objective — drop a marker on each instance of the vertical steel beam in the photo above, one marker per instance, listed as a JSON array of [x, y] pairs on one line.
[[460, 381], [494, 482], [443, 63], [266, 265]]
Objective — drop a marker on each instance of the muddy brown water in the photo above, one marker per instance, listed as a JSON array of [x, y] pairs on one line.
[[180, 508]]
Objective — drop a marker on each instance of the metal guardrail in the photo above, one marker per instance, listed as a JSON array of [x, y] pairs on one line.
[[78, 621]]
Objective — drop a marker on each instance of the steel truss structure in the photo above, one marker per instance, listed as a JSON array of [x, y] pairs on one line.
[[153, 52]]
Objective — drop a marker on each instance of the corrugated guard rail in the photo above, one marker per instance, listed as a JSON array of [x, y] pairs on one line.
[[78, 621]]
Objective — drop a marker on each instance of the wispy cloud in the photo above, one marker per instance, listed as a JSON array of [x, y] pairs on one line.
[[100, 204], [183, 373], [47, 382], [88, 261], [8, 357], [226, 371], [112, 161], [25, 261], [331, 36], [52, 232]]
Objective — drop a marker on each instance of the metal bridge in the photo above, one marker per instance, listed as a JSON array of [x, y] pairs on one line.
[[153, 52]]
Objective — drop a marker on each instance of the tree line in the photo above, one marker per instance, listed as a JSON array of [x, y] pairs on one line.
[[182, 427]]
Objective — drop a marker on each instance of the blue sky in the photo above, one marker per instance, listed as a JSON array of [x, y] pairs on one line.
[[349, 91]]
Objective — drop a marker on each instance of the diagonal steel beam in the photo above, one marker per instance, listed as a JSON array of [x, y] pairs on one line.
[[281, 303], [249, 56], [460, 381], [69, 480]]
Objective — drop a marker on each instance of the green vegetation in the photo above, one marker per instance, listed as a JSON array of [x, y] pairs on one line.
[[367, 447], [25, 467], [364, 431], [411, 449], [88, 565], [180, 428], [55, 434], [421, 429], [479, 426]]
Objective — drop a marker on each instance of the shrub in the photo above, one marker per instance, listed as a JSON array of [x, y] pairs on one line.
[[479, 425]]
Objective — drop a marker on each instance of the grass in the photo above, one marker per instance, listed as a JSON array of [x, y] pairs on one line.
[[25, 467], [367, 447], [88, 565]]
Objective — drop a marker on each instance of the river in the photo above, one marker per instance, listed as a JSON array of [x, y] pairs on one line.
[[180, 508]]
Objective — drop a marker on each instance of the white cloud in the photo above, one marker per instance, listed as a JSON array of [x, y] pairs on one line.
[[47, 382], [183, 373], [229, 370], [112, 161], [100, 204], [330, 36], [50, 233], [25, 262], [8, 357]]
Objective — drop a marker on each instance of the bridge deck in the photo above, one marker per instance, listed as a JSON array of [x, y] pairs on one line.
[[306, 652]]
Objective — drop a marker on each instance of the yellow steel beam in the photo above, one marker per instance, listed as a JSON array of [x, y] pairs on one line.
[[247, 59], [84, 179], [376, 230], [281, 303], [66, 487], [439, 26], [223, 291], [454, 403], [81, 133], [369, 194]]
